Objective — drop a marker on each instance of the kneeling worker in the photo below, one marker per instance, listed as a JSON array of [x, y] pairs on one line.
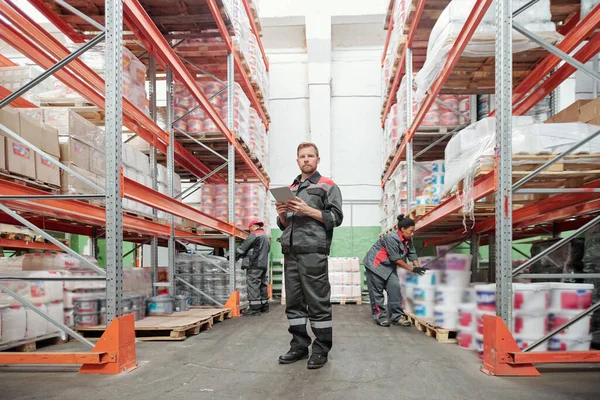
[[391, 250], [255, 253]]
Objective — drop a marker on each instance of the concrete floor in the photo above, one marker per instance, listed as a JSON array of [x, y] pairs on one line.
[[237, 359]]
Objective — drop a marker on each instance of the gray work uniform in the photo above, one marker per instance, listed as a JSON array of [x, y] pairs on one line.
[[255, 253], [380, 271], [306, 243]]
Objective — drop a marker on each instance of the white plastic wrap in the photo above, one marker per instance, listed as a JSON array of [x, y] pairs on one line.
[[587, 6], [448, 26], [474, 146]]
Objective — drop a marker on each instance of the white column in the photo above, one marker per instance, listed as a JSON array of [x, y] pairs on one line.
[[318, 45]]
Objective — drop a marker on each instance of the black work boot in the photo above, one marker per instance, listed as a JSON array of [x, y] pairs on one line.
[[292, 356], [264, 309], [384, 322], [316, 361]]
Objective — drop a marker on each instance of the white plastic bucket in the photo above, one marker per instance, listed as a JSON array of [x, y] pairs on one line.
[[424, 310], [445, 317], [571, 296], [466, 340], [429, 278], [531, 298], [479, 345], [458, 279], [467, 321], [429, 263], [458, 262], [479, 317], [408, 305], [469, 295], [425, 294], [579, 329], [558, 343], [409, 290], [486, 297], [448, 296], [530, 326], [524, 341]]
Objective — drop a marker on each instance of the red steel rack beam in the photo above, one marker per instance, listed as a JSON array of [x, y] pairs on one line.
[[570, 23], [141, 24], [27, 245], [411, 34], [18, 103], [216, 13], [85, 213], [49, 224], [255, 30], [576, 35], [89, 84], [483, 186], [589, 50], [463, 38], [390, 29], [5, 62], [138, 192], [57, 21]]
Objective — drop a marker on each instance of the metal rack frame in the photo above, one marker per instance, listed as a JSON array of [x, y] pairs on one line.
[[565, 203], [36, 43]]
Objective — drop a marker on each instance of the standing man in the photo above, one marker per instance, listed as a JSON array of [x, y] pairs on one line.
[[255, 253], [307, 223]]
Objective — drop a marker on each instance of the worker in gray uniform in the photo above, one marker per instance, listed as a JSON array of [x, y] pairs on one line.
[[307, 222], [254, 252], [394, 249]]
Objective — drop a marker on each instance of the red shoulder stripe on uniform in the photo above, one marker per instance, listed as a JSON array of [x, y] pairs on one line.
[[381, 256], [326, 181]]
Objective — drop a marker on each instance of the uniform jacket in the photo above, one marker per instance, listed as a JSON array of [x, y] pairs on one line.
[[382, 257], [303, 234], [254, 251]]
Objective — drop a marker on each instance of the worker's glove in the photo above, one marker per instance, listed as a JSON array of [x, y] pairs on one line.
[[419, 270]]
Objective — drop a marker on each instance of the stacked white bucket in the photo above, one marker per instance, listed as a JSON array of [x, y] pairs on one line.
[[537, 309], [437, 294]]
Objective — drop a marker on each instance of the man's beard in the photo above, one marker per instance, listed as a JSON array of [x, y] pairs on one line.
[[308, 169]]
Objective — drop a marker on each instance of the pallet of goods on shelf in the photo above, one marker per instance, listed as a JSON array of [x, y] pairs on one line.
[[470, 154], [251, 203], [345, 278], [21, 160], [53, 92], [481, 47], [402, 10]]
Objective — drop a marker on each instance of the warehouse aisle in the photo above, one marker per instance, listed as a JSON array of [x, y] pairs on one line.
[[238, 360]]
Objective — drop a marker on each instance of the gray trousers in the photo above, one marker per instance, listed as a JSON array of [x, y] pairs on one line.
[[258, 293], [307, 296], [391, 285]]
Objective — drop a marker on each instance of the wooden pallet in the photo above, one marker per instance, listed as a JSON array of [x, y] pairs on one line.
[[349, 300], [29, 182], [17, 236], [353, 300], [32, 344], [440, 334]]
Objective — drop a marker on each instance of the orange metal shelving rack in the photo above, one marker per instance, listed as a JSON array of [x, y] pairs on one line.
[[568, 209], [70, 214]]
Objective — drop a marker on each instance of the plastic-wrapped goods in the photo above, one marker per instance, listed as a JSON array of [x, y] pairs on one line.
[[555, 263], [474, 146], [14, 78], [36, 324], [591, 261], [14, 323], [537, 18], [446, 317], [587, 6]]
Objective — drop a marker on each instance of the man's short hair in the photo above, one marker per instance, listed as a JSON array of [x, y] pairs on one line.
[[304, 145]]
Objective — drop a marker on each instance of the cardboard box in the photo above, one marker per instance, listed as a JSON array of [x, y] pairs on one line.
[[49, 141], [2, 152], [97, 162], [69, 184], [9, 117], [20, 159], [33, 113], [590, 111], [31, 130], [45, 171], [569, 114], [74, 151]]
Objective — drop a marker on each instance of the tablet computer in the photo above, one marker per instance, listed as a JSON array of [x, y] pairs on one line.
[[282, 194]]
